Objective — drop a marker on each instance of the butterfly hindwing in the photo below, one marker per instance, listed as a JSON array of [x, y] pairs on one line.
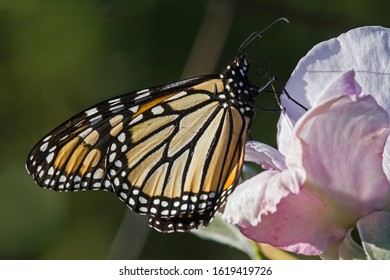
[[179, 162]]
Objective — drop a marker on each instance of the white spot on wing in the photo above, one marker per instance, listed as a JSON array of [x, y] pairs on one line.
[[98, 173], [143, 90], [122, 137], [44, 146], [49, 157], [136, 119], [112, 157], [114, 100], [157, 110], [131, 201], [91, 111], [115, 120], [98, 117], [140, 96], [142, 200], [176, 96], [116, 107], [134, 109], [85, 132], [50, 171], [202, 205]]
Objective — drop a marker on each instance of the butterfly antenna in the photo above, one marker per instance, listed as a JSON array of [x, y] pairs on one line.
[[281, 108], [284, 90], [264, 89], [258, 34], [270, 84]]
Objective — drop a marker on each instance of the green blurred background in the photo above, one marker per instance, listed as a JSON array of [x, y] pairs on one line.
[[59, 57]]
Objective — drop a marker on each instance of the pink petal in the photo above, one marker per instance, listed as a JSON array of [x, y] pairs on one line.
[[345, 84], [260, 195], [285, 133], [365, 50], [294, 226], [340, 144], [386, 162], [264, 155]]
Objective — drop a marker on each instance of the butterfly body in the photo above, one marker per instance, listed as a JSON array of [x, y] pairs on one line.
[[173, 152]]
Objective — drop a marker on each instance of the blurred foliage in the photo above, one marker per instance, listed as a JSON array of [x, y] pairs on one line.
[[59, 57]]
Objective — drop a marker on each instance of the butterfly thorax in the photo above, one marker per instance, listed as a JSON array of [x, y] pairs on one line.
[[238, 87]]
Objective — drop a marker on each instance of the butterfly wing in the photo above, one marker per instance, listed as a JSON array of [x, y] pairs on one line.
[[172, 152], [208, 169], [183, 161], [74, 156]]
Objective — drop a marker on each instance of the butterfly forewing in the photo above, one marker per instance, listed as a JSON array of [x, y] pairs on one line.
[[74, 156], [173, 152]]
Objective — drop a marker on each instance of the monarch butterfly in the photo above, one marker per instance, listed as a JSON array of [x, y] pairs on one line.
[[172, 152]]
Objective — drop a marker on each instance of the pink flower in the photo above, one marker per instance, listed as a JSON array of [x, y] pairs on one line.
[[332, 166]]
